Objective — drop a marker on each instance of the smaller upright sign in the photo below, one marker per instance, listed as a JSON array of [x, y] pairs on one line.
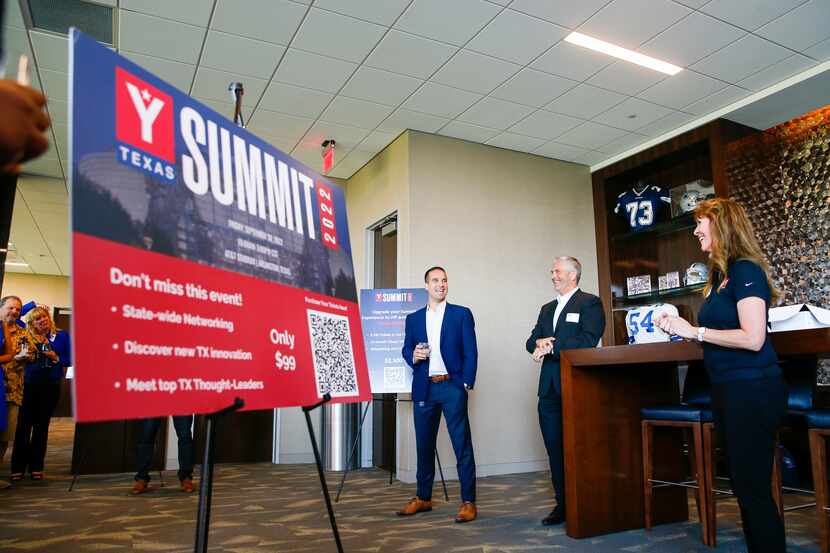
[[383, 312]]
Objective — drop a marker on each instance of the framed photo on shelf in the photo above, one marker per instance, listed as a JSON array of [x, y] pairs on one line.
[[668, 281], [640, 284]]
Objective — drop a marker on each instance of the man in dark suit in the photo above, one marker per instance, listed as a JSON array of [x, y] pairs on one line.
[[574, 320], [440, 346]]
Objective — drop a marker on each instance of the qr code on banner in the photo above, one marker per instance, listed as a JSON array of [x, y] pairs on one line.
[[331, 349], [394, 379]]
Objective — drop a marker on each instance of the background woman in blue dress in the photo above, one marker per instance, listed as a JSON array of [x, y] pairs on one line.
[[749, 396]]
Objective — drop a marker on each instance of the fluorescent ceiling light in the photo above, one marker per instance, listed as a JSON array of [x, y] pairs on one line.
[[16, 264], [622, 53]]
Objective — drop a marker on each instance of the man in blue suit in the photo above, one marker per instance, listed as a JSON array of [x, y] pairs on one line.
[[440, 346], [574, 319]]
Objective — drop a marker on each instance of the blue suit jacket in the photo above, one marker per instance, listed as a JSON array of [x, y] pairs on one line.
[[458, 348]]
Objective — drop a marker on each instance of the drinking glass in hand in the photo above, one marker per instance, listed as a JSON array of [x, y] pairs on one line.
[[424, 346]]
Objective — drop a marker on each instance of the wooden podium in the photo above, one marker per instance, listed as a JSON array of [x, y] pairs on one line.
[[603, 390]]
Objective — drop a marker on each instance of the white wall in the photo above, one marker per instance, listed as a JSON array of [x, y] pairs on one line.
[[494, 219], [50, 290]]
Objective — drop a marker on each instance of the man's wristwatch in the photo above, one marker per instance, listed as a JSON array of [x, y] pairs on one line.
[[701, 330]]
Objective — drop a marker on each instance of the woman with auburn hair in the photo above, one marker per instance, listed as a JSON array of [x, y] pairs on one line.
[[749, 395], [41, 390]]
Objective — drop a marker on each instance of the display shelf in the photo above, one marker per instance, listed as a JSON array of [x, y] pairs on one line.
[[683, 222], [640, 299]]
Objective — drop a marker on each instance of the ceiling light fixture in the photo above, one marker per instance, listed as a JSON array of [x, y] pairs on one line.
[[622, 53], [16, 264]]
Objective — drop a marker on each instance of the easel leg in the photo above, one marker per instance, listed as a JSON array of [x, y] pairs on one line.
[[206, 482], [441, 472], [306, 411], [351, 454]]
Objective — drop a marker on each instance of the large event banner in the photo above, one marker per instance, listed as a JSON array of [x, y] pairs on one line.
[[384, 312], [206, 263]]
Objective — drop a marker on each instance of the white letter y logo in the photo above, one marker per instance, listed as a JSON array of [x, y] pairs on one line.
[[147, 113]]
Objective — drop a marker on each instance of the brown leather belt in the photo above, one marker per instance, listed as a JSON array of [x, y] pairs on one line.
[[439, 378]]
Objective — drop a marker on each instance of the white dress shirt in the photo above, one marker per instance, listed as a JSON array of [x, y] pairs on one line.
[[561, 302], [435, 318]]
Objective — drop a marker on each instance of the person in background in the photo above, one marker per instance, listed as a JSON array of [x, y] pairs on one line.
[[749, 395], [19, 352], [41, 391], [146, 445]]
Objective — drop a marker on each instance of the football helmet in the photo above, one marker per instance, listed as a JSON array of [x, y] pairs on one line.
[[697, 273], [689, 200]]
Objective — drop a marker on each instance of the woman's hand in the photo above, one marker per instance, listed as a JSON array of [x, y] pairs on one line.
[[677, 326]]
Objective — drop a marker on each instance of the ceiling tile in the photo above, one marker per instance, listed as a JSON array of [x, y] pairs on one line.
[[268, 20], [749, 14], [643, 113], [58, 110], [46, 166], [347, 137], [401, 52], [213, 84], [51, 51], [337, 36], [626, 78], [681, 45], [278, 125], [404, 119], [377, 140], [585, 101], [516, 142], [437, 99], [284, 145], [495, 113], [777, 73], [533, 88], [591, 158], [195, 12], [13, 15], [556, 150], [384, 13], [380, 86], [313, 71], [590, 135], [466, 131], [820, 51], [666, 124], [741, 59], [176, 73], [357, 113], [223, 107], [717, 100], [352, 163], [475, 72], [622, 144], [61, 133], [682, 89], [294, 100], [567, 14], [455, 22], [17, 42], [806, 25], [309, 154], [55, 85], [571, 61], [694, 4], [630, 23], [158, 37], [543, 124], [241, 55], [516, 37]]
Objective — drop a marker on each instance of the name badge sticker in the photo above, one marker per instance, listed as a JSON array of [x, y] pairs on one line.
[[572, 317]]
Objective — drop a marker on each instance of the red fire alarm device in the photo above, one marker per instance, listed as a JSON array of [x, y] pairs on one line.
[[328, 155]]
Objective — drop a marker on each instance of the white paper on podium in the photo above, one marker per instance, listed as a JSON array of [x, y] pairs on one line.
[[798, 317]]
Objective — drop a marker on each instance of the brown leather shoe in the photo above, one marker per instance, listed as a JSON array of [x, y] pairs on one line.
[[187, 485], [415, 505], [140, 487], [467, 513]]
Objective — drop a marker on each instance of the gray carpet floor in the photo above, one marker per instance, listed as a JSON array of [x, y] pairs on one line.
[[264, 507]]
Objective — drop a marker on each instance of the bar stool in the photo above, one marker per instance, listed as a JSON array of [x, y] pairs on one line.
[[818, 422], [690, 415]]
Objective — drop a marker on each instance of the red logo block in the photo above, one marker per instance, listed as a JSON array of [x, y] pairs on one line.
[[143, 116], [328, 226]]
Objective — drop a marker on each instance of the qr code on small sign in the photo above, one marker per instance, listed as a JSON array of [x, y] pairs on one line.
[[394, 379], [331, 349]]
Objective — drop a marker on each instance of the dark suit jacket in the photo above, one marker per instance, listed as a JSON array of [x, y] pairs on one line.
[[584, 333], [458, 348]]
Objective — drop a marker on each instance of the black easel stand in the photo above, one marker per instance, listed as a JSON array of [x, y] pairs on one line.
[[206, 482], [306, 411]]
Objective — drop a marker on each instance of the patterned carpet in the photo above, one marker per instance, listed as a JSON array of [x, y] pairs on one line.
[[263, 507]]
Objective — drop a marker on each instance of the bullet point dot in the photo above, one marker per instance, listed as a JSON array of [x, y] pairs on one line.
[[117, 385], [115, 346], [113, 309]]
